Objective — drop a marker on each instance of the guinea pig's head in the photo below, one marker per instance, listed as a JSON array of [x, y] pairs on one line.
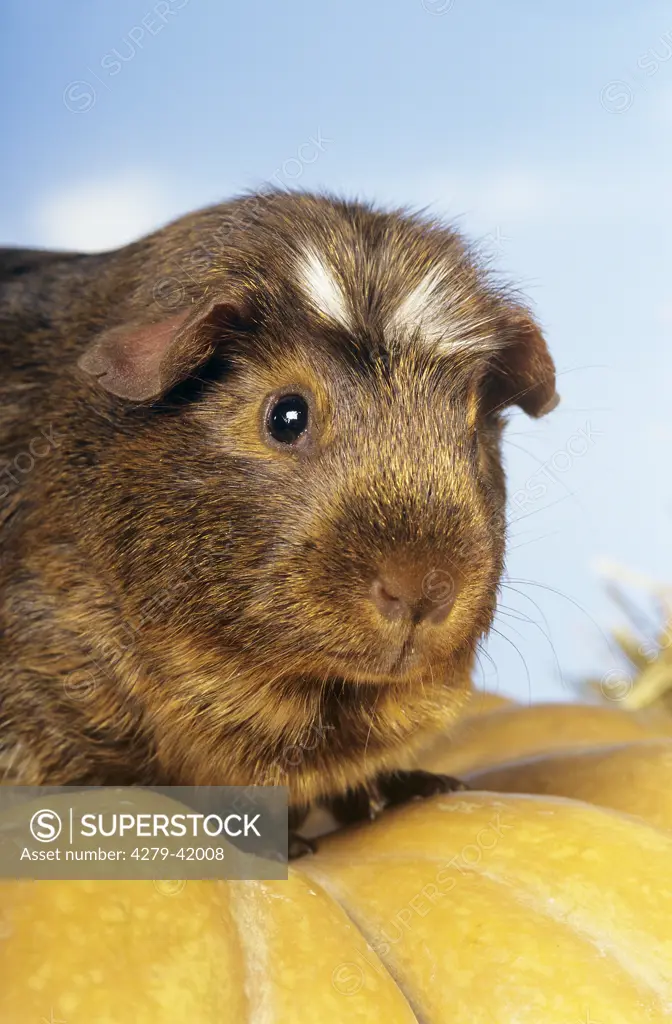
[[310, 446]]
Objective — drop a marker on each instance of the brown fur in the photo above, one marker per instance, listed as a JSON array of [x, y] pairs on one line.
[[181, 603]]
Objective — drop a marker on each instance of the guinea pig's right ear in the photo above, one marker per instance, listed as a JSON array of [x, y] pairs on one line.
[[522, 372], [142, 361]]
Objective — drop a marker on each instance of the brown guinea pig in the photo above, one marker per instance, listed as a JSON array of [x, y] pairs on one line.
[[252, 506]]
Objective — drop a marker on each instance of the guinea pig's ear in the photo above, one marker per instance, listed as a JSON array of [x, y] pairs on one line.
[[142, 361], [522, 371]]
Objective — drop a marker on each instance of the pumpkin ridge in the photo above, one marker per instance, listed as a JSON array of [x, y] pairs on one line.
[[368, 924], [249, 934], [546, 907], [523, 868], [327, 885], [264, 984]]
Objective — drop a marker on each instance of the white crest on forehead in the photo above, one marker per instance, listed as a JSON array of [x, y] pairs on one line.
[[425, 312], [423, 309], [317, 281]]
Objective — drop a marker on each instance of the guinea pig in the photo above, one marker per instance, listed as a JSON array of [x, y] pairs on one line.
[[252, 505]]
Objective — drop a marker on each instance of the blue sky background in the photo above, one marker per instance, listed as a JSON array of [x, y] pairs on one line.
[[545, 130]]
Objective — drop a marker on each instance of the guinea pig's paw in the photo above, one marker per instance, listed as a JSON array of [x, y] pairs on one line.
[[355, 805], [400, 787]]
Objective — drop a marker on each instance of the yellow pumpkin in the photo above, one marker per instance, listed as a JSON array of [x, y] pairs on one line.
[[497, 907]]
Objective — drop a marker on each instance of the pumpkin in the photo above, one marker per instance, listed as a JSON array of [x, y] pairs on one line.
[[544, 899]]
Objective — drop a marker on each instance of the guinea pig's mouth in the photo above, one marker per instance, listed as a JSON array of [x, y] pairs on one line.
[[407, 664], [411, 654]]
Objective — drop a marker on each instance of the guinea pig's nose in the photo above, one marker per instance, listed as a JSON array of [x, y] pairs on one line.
[[411, 594]]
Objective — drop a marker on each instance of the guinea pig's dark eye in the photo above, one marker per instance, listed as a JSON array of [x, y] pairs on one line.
[[287, 419]]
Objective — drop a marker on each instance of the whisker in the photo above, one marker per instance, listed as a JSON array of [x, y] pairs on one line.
[[510, 522], [507, 580], [534, 540], [372, 716], [546, 633], [498, 632], [481, 652], [515, 614]]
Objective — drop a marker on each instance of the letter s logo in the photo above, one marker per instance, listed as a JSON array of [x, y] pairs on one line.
[[45, 826]]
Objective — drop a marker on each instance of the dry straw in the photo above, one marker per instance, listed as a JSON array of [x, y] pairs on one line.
[[644, 642]]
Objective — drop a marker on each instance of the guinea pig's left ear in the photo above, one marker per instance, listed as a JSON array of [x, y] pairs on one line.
[[522, 371], [142, 361]]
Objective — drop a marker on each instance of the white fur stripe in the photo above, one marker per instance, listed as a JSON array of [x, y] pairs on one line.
[[423, 310], [321, 287]]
